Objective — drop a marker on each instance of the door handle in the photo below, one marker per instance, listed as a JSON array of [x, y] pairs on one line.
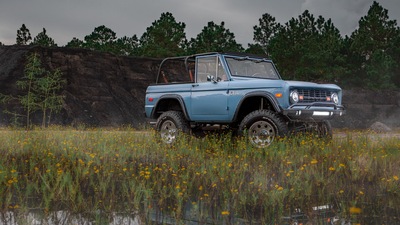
[[195, 85]]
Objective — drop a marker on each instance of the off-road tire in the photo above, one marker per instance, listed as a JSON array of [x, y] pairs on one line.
[[170, 125], [322, 129], [261, 127]]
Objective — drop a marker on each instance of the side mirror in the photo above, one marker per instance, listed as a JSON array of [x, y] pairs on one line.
[[211, 78]]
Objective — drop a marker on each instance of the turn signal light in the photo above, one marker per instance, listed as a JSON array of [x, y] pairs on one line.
[[278, 95]]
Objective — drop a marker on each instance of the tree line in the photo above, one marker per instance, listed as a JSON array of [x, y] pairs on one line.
[[304, 48]]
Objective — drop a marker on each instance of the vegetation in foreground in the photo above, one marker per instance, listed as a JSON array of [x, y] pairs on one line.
[[217, 178]]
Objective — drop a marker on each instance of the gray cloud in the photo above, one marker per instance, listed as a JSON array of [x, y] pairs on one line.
[[345, 14], [64, 20]]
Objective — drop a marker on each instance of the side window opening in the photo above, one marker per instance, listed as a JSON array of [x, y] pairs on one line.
[[210, 66]]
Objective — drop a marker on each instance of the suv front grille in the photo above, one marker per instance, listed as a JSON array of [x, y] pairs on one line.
[[313, 95]]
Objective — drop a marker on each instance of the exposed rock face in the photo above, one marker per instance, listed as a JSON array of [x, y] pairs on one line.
[[102, 89], [107, 90]]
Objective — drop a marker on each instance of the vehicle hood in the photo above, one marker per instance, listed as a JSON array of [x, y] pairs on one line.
[[262, 83], [305, 84]]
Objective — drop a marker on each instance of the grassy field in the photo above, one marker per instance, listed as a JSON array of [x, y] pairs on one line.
[[220, 178]]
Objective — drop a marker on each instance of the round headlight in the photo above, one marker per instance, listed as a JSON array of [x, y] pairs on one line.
[[294, 97], [335, 98]]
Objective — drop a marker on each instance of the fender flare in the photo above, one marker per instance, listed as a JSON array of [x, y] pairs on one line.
[[271, 98], [174, 97]]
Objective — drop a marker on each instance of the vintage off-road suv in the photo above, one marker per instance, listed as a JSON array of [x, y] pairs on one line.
[[243, 93]]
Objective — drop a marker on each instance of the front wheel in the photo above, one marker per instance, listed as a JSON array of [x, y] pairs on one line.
[[170, 124], [262, 127]]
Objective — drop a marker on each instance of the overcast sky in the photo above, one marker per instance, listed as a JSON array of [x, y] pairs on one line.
[[65, 19]]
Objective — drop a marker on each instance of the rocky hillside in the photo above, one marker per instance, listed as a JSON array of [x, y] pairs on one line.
[[107, 90], [102, 89]]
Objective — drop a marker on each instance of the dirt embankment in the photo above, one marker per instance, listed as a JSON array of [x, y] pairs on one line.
[[107, 90]]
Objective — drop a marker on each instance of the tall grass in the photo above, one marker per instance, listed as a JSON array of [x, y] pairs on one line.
[[217, 177]]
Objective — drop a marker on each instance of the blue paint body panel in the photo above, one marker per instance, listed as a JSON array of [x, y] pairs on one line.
[[230, 79]]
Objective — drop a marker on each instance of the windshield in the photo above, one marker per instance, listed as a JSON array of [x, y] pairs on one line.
[[247, 67]]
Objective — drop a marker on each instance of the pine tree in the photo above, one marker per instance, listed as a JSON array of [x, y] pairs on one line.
[[374, 44], [214, 38], [23, 35], [42, 39], [267, 29], [75, 43], [101, 39], [165, 37]]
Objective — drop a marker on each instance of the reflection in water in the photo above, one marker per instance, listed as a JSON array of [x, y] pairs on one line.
[[191, 215], [38, 217], [199, 214]]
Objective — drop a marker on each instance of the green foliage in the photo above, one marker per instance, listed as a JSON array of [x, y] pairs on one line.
[[308, 49], [33, 70], [40, 91], [304, 48], [394, 52], [165, 37], [378, 28], [214, 38], [375, 46], [101, 39], [126, 45], [42, 39], [105, 40], [23, 36], [266, 30], [255, 49], [75, 43], [379, 71], [48, 87], [128, 172]]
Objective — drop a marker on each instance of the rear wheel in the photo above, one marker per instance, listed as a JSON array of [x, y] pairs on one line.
[[170, 124], [321, 129], [324, 130], [261, 127]]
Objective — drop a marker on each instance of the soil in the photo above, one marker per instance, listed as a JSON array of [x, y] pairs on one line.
[[108, 90]]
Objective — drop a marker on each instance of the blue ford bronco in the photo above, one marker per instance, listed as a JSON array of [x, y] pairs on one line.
[[242, 93]]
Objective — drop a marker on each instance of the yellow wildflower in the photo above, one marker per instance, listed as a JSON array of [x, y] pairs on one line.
[[225, 213], [355, 210]]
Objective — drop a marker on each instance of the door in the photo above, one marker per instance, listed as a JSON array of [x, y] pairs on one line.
[[209, 98]]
